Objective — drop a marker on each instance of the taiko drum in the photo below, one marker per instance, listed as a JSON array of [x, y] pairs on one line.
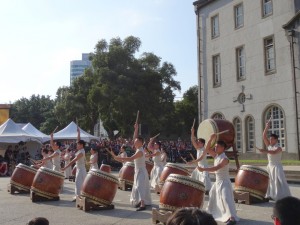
[[181, 191], [127, 173], [100, 186], [172, 168], [252, 179], [23, 176], [214, 126], [47, 182], [106, 168]]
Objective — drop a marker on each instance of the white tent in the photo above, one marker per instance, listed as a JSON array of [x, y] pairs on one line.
[[10, 132], [70, 133], [30, 129]]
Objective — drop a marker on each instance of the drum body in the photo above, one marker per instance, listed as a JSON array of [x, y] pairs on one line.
[[23, 176], [149, 167], [47, 182], [253, 180], [105, 168], [100, 187], [211, 126], [3, 168], [181, 191], [127, 173], [172, 168]]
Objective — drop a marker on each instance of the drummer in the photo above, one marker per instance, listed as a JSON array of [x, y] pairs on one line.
[[56, 155], [140, 195], [80, 165], [201, 160], [123, 152], [46, 163], [94, 158], [278, 187], [221, 201], [158, 167]]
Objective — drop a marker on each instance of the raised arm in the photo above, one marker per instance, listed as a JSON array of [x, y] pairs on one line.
[[265, 132], [193, 138], [136, 131], [208, 148]]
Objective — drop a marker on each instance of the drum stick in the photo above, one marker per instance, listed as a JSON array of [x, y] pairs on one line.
[[156, 136], [110, 152], [54, 130], [183, 159], [194, 123], [222, 132], [271, 117], [137, 116], [192, 156]]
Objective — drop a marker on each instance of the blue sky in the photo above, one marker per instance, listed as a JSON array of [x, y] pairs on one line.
[[39, 38]]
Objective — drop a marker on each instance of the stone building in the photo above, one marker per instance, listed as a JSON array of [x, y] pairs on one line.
[[248, 69]]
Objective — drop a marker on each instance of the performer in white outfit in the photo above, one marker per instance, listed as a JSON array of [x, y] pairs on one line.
[[221, 201], [94, 159], [122, 152], [47, 163], [201, 160], [80, 165], [67, 159], [140, 195], [158, 164], [278, 187], [55, 156]]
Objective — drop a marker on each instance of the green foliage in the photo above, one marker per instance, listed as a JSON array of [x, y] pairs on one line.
[[36, 110]]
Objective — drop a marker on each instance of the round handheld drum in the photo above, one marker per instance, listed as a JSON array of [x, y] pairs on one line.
[[100, 187], [47, 182], [127, 173], [172, 168], [211, 126], [23, 176], [181, 191], [252, 179]]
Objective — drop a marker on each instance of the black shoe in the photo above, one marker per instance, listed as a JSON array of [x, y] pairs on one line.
[[137, 205], [231, 222], [142, 208]]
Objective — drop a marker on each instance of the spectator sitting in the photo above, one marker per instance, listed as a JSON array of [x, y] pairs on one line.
[[191, 216]]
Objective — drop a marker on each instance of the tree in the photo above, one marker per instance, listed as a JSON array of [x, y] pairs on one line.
[[36, 110], [186, 109]]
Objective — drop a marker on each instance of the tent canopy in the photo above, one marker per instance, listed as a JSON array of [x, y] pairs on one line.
[[30, 129], [70, 133], [10, 132]]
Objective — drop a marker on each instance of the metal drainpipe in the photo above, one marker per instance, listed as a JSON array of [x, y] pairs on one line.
[[291, 34], [199, 68]]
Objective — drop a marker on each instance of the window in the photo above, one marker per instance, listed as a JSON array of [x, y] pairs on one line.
[[238, 16], [267, 8], [250, 140], [277, 124], [238, 134], [218, 116], [216, 70], [215, 26], [240, 63], [270, 65]]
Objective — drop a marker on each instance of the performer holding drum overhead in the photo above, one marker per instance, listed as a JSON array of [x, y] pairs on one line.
[[140, 195], [201, 160], [278, 187], [80, 165], [221, 201]]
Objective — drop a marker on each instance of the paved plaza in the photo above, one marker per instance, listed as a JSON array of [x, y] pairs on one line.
[[18, 209]]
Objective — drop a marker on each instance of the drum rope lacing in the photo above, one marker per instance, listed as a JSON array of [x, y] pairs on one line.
[[43, 193], [95, 199], [257, 170], [186, 181], [105, 176]]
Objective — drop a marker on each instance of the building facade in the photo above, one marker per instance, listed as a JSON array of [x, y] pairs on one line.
[[77, 67], [247, 70]]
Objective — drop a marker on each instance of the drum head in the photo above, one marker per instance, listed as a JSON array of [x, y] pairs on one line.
[[207, 128]]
